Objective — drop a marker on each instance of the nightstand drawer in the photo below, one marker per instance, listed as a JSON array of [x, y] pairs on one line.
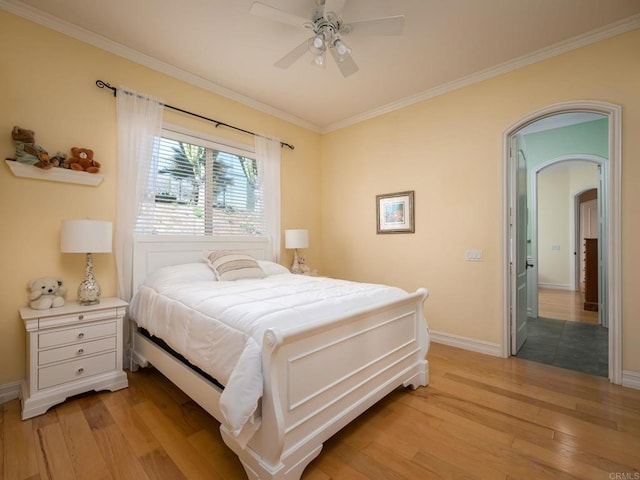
[[77, 334], [78, 350], [74, 318], [76, 370]]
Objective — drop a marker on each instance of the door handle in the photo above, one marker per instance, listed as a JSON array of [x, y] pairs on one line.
[[528, 265]]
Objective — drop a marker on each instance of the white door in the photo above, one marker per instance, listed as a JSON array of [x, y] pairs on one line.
[[519, 264], [603, 248], [532, 285]]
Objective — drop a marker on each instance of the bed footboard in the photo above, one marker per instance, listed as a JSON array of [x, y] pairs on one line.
[[319, 379]]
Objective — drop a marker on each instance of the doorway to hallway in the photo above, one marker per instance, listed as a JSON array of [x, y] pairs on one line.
[[521, 248]]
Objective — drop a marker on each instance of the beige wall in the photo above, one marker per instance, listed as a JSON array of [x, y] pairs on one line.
[[554, 227], [449, 150], [47, 84]]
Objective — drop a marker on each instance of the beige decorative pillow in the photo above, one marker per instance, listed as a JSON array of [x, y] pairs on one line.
[[230, 265]]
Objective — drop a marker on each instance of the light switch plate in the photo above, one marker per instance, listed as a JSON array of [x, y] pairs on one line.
[[475, 256]]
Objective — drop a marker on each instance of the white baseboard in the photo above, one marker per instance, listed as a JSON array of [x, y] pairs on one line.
[[9, 391], [466, 343], [631, 379]]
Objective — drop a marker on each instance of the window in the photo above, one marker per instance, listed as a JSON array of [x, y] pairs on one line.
[[200, 187]]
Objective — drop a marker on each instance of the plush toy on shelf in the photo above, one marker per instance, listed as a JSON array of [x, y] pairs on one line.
[[27, 151], [60, 160], [82, 160], [46, 292]]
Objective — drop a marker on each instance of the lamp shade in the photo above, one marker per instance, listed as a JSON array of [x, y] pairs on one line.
[[296, 238], [85, 236]]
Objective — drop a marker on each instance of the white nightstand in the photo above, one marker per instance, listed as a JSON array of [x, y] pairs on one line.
[[71, 350]]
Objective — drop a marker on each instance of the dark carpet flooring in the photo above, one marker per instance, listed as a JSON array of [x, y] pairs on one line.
[[576, 346]]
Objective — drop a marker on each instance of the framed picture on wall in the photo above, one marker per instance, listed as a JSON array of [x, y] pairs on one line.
[[394, 213]]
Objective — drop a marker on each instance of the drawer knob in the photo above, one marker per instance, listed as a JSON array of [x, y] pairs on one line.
[[80, 317], [80, 371], [80, 351], [81, 335]]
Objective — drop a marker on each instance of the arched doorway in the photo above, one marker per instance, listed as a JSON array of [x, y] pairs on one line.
[[516, 218], [574, 243]]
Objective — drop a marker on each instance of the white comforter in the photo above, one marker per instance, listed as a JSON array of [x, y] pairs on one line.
[[218, 326]]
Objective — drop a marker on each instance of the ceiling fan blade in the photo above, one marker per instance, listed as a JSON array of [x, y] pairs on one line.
[[345, 63], [377, 26], [290, 58], [267, 11], [334, 6]]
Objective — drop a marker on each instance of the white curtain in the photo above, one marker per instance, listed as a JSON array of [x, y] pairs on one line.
[[139, 119], [268, 155]]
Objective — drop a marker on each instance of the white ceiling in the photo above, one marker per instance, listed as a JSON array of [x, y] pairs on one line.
[[219, 45]]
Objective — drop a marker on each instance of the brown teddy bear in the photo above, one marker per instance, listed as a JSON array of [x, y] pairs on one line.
[[82, 160], [27, 151]]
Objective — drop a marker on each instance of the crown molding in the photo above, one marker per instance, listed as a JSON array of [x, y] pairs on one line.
[[54, 23], [608, 31]]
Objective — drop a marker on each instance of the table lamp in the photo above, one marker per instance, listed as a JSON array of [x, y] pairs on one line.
[[296, 239], [86, 236]]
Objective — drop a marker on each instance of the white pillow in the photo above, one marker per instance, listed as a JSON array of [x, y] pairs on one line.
[[229, 265], [272, 268], [186, 272]]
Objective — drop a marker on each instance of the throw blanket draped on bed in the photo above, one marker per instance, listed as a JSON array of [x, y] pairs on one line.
[[219, 325]]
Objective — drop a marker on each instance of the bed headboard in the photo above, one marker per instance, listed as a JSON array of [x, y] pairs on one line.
[[151, 252]]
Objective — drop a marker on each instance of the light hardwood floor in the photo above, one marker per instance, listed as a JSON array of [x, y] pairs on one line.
[[481, 417], [564, 305]]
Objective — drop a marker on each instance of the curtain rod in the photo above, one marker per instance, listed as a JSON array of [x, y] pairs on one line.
[[101, 84]]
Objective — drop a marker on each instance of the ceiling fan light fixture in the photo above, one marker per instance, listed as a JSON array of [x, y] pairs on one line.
[[319, 60], [341, 47], [318, 41], [316, 50]]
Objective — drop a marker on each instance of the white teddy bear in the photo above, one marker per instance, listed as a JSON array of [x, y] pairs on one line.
[[46, 292], [304, 268]]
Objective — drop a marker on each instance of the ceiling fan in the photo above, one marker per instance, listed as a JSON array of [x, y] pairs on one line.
[[328, 29]]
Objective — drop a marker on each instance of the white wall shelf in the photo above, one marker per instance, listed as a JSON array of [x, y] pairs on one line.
[[54, 174]]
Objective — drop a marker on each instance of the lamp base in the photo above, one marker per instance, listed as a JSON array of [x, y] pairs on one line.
[[89, 290], [295, 268]]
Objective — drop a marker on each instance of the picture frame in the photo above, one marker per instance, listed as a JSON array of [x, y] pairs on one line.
[[395, 212]]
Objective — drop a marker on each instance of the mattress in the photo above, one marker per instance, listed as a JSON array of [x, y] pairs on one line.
[[219, 325]]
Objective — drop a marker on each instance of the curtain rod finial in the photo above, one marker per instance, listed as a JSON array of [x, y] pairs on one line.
[[101, 84]]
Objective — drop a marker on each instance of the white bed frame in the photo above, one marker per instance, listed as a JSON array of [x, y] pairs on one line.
[[371, 353]]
